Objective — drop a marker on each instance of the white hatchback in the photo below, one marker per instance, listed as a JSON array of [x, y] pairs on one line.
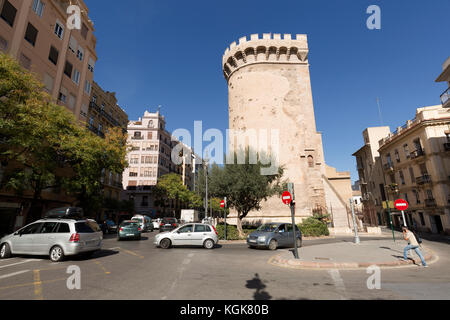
[[192, 234]]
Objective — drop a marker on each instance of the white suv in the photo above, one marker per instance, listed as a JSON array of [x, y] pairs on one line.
[[54, 237], [192, 234]]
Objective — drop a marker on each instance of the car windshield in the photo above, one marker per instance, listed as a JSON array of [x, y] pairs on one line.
[[170, 220], [267, 228], [137, 219], [130, 224]]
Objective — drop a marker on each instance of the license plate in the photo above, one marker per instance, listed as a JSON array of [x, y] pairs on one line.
[[130, 235], [252, 240]]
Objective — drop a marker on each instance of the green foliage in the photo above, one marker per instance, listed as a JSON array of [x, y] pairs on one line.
[[46, 145], [232, 232], [244, 185], [312, 227], [170, 186]]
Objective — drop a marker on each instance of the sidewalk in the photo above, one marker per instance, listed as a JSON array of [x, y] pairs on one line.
[[347, 255]]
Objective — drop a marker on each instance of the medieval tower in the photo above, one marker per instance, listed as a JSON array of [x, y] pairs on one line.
[[269, 88]]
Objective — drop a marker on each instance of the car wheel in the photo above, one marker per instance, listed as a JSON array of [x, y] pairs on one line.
[[208, 244], [56, 254], [165, 243], [299, 243], [273, 245], [5, 251]]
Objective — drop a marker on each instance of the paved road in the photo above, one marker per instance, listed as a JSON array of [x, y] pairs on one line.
[[138, 270]]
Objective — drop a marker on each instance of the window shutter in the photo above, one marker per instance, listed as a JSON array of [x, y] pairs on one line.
[[73, 44]]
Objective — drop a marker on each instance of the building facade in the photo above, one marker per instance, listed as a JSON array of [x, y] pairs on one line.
[[269, 88], [36, 34], [149, 158], [371, 178], [103, 114], [416, 165]]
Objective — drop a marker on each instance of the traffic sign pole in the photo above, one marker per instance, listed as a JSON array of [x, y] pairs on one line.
[[404, 220], [288, 198], [390, 219], [223, 204]]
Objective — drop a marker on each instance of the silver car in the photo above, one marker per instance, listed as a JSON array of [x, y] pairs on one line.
[[54, 237], [192, 234]]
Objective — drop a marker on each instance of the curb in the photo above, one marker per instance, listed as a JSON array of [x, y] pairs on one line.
[[295, 264]]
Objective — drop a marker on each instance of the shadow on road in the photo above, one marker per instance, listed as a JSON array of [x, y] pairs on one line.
[[259, 286]]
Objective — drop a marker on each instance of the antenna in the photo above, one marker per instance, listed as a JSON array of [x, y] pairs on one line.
[[379, 111]]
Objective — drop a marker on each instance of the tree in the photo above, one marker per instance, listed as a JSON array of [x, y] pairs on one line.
[[244, 185], [32, 131], [170, 186], [45, 145]]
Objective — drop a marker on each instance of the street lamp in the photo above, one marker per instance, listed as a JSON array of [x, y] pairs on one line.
[[357, 240]]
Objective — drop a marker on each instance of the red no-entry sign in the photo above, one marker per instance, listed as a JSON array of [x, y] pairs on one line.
[[222, 204], [401, 205], [286, 197]]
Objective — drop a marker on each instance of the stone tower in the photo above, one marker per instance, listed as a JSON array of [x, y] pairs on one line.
[[269, 88]]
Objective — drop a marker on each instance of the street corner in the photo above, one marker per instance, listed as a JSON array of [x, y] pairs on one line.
[[319, 259]]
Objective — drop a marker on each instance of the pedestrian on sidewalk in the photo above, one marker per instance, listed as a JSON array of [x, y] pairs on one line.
[[412, 245]]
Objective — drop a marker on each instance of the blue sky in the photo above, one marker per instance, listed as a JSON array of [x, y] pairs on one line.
[[169, 53]]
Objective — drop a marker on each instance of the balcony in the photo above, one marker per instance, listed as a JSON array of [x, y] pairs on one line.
[[417, 154], [388, 167], [393, 188], [426, 178], [445, 98], [430, 203], [137, 138], [447, 146], [104, 114]]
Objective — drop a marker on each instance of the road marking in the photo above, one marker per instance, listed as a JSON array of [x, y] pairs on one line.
[[13, 274], [102, 267], [132, 253], [41, 282], [338, 282], [15, 264], [37, 285]]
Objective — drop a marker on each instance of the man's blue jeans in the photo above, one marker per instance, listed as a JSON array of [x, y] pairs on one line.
[[417, 250]]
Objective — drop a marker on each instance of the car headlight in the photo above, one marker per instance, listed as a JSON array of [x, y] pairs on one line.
[[262, 239]]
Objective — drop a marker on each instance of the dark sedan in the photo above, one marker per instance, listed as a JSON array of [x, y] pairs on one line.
[[274, 235], [108, 226], [168, 224]]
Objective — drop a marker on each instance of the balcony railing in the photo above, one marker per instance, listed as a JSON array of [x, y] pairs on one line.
[[104, 114], [137, 138], [417, 154], [430, 203], [445, 97], [423, 179], [388, 167]]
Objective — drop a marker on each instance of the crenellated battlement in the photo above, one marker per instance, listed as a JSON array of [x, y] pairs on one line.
[[270, 48]]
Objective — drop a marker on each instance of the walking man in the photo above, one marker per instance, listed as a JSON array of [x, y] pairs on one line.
[[412, 245]]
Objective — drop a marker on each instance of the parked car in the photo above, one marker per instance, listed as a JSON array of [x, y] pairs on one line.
[[145, 222], [108, 226], [156, 223], [168, 224], [57, 238], [129, 229], [193, 234], [274, 235]]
